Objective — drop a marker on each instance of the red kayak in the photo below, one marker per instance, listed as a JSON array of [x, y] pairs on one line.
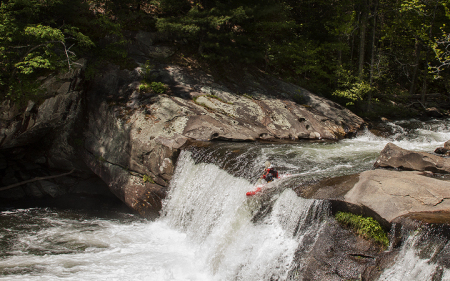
[[251, 193], [260, 186]]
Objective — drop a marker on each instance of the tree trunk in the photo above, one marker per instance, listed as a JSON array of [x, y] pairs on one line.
[[362, 42], [416, 67], [372, 57], [425, 71], [424, 86]]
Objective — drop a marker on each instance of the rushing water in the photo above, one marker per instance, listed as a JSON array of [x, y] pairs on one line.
[[209, 229]]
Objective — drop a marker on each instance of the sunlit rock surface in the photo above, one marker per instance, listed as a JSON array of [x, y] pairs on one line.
[[416, 186], [392, 194], [133, 138], [396, 157]]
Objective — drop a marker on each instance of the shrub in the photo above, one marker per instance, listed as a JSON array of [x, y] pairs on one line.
[[367, 227], [155, 87], [158, 87], [144, 88]]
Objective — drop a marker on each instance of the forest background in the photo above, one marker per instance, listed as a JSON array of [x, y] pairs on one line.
[[377, 57]]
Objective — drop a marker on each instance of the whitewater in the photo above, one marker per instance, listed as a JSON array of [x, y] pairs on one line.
[[208, 229]]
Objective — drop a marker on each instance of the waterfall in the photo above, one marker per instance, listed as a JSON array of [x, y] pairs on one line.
[[424, 255], [239, 237], [209, 230]]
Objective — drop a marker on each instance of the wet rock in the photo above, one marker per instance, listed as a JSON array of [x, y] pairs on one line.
[[443, 150], [440, 150], [393, 156], [51, 188], [339, 254], [392, 194], [332, 188], [447, 145], [434, 112]]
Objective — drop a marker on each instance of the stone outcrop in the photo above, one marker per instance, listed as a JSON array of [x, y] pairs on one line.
[[444, 150], [416, 186], [392, 194], [50, 123], [133, 138], [393, 156], [45, 140]]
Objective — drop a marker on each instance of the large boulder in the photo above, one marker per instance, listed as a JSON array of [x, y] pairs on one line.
[[388, 196], [393, 156], [412, 190], [392, 194], [133, 138]]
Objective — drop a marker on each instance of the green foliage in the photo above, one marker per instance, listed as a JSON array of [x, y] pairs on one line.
[[308, 62], [149, 85], [147, 178], [351, 88], [155, 87], [367, 227], [33, 42], [158, 87], [217, 98], [247, 96], [148, 74], [223, 30], [144, 88], [305, 42], [22, 91]]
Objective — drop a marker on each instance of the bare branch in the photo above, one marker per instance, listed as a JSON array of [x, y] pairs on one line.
[[35, 179]]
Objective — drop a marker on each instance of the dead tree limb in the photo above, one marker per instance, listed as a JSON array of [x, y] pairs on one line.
[[35, 179]]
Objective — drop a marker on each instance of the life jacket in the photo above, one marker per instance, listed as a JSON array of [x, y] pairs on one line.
[[273, 172], [270, 175]]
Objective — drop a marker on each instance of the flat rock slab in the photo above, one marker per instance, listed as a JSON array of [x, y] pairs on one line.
[[392, 194]]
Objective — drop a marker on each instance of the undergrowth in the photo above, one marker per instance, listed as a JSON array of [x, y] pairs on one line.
[[367, 227]]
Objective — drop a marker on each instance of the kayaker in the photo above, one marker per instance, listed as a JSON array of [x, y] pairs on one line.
[[270, 174]]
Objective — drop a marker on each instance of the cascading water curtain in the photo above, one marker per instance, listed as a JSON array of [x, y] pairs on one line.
[[210, 206]]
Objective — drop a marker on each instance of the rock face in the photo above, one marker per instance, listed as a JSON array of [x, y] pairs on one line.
[[393, 156], [412, 189], [392, 194], [133, 139], [45, 140], [338, 254], [51, 123]]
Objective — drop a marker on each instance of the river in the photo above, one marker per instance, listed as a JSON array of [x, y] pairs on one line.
[[207, 229]]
